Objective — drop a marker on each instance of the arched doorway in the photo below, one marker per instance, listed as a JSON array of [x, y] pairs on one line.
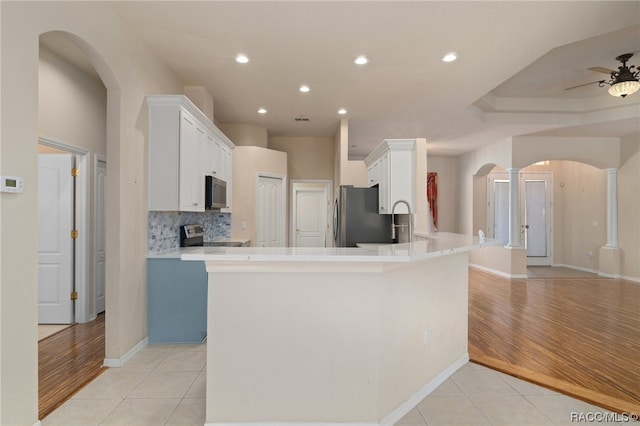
[[72, 93]]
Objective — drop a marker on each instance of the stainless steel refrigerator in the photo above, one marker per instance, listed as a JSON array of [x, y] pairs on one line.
[[356, 218]]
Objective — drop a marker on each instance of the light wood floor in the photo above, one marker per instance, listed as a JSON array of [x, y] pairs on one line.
[[67, 361], [47, 330], [578, 336]]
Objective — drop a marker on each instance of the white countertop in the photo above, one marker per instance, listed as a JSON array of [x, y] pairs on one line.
[[437, 244]]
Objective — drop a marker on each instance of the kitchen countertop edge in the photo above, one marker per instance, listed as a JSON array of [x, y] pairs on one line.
[[435, 245]]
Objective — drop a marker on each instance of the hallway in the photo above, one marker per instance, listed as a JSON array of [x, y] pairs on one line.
[[67, 361]]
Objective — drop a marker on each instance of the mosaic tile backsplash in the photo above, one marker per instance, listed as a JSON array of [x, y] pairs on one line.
[[164, 227]]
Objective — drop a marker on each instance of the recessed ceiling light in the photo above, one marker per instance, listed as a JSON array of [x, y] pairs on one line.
[[361, 60], [242, 59], [262, 111], [342, 111], [304, 88], [450, 57]]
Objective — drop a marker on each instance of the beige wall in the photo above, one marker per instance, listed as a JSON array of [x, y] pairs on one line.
[[72, 106], [129, 71], [347, 172], [308, 157], [201, 98], [582, 199], [599, 152], [248, 162], [245, 134], [447, 170], [629, 206]]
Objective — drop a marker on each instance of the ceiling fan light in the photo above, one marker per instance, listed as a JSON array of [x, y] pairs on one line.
[[624, 88]]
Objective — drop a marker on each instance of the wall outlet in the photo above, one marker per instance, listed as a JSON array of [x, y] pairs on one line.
[[590, 255], [244, 224], [427, 336]]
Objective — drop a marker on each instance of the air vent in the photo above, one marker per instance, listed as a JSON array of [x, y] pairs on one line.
[[302, 119]]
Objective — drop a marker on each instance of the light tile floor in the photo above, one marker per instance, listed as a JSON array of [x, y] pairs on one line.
[[165, 385]]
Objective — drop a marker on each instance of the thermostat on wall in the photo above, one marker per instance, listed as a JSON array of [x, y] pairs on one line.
[[11, 184]]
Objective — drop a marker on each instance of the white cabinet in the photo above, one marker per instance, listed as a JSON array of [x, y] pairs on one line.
[[184, 146], [191, 186], [211, 156], [391, 167]]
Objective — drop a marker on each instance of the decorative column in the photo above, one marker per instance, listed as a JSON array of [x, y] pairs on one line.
[[610, 260], [514, 208], [612, 208]]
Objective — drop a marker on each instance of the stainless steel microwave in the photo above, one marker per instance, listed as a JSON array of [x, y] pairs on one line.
[[215, 196]]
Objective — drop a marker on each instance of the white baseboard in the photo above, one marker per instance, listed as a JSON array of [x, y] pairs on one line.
[[415, 399], [629, 278], [288, 424], [119, 362], [496, 272], [577, 268], [389, 420]]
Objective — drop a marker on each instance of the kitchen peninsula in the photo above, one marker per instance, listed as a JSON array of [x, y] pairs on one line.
[[332, 335]]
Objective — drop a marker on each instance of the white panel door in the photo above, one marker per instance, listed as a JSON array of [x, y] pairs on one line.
[[55, 245], [270, 212], [537, 218], [310, 217], [100, 254]]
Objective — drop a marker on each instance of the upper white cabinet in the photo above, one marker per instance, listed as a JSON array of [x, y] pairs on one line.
[[184, 146], [391, 166], [191, 182]]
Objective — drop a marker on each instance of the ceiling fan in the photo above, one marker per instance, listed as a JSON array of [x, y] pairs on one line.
[[622, 82]]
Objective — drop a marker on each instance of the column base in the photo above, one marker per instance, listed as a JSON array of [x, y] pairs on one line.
[[609, 262]]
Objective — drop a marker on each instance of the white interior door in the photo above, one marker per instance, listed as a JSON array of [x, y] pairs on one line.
[[55, 244], [270, 212], [100, 254], [310, 217], [537, 218]]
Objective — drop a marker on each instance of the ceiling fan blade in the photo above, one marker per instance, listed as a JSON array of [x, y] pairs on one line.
[[585, 84], [601, 69]]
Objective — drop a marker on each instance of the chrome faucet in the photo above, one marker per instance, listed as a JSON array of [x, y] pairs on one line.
[[393, 222]]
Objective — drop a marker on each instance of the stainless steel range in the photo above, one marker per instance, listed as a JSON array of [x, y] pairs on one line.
[[191, 235]]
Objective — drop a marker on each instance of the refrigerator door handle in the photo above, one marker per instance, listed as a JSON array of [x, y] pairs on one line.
[[335, 222]]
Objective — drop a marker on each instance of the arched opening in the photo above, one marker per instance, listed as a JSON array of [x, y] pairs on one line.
[[563, 212], [78, 102]]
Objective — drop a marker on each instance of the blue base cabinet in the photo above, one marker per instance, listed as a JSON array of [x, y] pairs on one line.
[[176, 301]]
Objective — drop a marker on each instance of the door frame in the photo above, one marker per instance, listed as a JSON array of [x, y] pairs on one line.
[[96, 159], [328, 183], [81, 210], [282, 207], [522, 178], [547, 177]]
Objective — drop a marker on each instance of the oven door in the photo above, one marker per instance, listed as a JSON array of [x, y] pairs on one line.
[[215, 196]]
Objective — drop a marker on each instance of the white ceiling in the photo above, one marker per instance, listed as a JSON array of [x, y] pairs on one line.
[[515, 60]]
